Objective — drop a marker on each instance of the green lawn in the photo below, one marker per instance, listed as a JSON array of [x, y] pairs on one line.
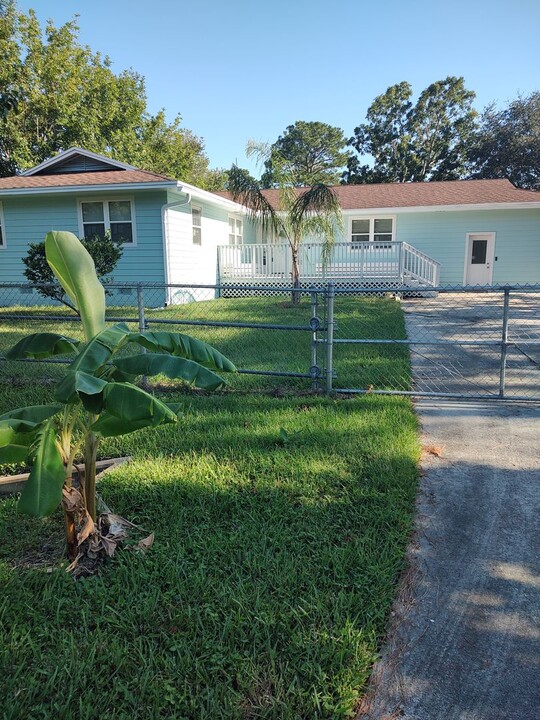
[[267, 590]]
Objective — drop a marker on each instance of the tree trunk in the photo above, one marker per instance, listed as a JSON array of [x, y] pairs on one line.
[[295, 295]]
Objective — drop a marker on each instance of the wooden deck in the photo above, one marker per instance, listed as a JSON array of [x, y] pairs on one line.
[[353, 264]]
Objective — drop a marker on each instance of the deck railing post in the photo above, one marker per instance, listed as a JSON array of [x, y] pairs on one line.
[[504, 342], [401, 264], [331, 296]]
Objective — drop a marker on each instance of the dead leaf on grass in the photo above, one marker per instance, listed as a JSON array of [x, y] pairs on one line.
[[145, 543]]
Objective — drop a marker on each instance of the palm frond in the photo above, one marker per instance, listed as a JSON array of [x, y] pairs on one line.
[[317, 213], [261, 150], [246, 191], [318, 200]]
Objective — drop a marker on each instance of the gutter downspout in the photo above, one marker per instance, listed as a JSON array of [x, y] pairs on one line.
[[165, 235]]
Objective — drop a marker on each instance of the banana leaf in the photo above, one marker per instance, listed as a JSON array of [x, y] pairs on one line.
[[184, 346], [42, 345], [81, 386], [42, 491], [16, 441], [128, 408], [32, 413], [18, 430], [172, 367], [76, 273], [12, 428], [14, 453], [99, 350]]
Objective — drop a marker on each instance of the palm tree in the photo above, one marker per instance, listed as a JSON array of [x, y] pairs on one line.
[[301, 212]]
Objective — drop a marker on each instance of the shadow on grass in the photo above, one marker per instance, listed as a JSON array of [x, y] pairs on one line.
[[269, 583]]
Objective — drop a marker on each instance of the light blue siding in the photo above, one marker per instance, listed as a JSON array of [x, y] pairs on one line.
[[442, 236], [29, 219]]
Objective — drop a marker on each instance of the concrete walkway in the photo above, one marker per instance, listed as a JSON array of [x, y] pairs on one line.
[[465, 642]]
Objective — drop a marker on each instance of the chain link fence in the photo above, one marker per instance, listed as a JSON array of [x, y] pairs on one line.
[[455, 342], [268, 337]]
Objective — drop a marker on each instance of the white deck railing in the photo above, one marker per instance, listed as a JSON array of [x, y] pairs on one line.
[[419, 267], [396, 261]]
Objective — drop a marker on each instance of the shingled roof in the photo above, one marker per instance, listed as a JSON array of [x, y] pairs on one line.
[[110, 177], [423, 194]]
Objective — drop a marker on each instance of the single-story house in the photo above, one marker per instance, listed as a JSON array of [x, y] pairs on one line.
[[475, 232]]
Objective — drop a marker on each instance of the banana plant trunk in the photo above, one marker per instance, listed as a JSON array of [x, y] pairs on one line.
[[90, 457], [71, 534]]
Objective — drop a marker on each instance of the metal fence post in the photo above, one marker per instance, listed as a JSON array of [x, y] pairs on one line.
[[140, 308], [504, 342], [142, 323], [314, 339], [330, 337]]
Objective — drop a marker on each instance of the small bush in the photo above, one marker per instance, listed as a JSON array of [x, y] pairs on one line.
[[105, 253]]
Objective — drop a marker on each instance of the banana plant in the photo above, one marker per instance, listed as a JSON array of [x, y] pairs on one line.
[[96, 398]]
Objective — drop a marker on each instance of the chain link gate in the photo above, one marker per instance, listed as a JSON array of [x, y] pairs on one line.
[[475, 343]]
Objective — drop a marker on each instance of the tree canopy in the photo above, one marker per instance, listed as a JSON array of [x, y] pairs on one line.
[[314, 150], [56, 93], [407, 142], [507, 144]]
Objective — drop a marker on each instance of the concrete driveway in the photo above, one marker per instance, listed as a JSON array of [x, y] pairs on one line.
[[470, 326], [465, 636]]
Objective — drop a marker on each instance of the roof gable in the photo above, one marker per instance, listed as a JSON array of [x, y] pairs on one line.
[[77, 160]]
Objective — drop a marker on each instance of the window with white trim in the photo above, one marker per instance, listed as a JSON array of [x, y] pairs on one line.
[[2, 231], [236, 231], [114, 215], [372, 229], [196, 221]]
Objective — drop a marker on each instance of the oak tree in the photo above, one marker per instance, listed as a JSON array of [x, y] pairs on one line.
[[407, 141]]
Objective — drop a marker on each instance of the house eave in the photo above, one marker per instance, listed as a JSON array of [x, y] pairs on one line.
[[210, 197], [443, 208], [78, 189]]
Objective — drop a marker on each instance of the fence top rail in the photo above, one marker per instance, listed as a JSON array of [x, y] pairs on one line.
[[158, 286], [305, 288], [408, 289]]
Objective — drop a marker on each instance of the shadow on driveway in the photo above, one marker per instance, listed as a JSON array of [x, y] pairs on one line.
[[465, 642]]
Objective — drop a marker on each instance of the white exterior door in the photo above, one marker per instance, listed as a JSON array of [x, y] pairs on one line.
[[479, 259]]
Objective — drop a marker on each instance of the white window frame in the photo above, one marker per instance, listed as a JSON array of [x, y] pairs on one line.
[[3, 244], [371, 218], [237, 243], [198, 209], [106, 199]]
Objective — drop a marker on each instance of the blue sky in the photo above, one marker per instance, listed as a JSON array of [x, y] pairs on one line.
[[239, 69]]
